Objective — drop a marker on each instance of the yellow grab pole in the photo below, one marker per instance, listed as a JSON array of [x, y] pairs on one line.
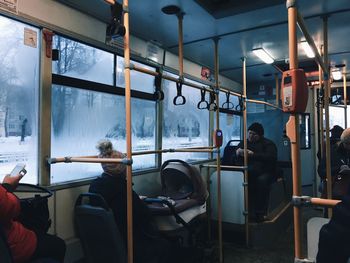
[[326, 106], [277, 90], [128, 130], [320, 119], [245, 185], [180, 17], [293, 131], [324, 202], [218, 168], [345, 98]]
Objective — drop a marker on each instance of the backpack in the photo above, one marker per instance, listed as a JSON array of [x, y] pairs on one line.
[[229, 156]]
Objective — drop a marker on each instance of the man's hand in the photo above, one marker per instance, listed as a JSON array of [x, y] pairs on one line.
[[240, 152], [250, 153], [12, 180]]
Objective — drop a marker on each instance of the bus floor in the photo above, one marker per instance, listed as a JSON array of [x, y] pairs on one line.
[[281, 251]]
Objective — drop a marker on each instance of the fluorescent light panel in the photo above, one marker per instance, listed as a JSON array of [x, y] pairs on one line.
[[263, 55], [336, 74], [308, 50]]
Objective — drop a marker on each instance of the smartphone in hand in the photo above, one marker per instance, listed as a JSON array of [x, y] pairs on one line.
[[19, 169]]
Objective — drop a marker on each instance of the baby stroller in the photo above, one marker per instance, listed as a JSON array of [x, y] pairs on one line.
[[183, 198]]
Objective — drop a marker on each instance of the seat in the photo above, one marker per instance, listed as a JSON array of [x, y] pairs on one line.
[[229, 156], [97, 230]]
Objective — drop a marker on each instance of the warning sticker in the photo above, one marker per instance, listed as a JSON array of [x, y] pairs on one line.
[[287, 96], [30, 37]]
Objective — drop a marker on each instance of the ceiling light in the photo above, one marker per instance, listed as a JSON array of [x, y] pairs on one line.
[[336, 74], [308, 50], [263, 55]]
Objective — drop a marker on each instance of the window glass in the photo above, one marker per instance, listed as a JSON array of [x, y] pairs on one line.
[[80, 61], [184, 125], [304, 131], [336, 117], [231, 127], [81, 118], [139, 81], [19, 98]]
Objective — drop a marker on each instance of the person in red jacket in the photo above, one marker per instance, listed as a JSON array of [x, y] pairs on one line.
[[24, 243]]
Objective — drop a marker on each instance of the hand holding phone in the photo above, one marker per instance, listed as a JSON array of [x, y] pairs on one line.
[[19, 169]]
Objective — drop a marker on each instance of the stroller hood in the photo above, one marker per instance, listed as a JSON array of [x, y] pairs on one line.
[[181, 180]]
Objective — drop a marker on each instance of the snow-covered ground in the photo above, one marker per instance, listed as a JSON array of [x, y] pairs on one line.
[[13, 151]]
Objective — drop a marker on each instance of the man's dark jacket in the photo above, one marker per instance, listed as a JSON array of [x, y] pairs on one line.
[[339, 156], [264, 158], [334, 241]]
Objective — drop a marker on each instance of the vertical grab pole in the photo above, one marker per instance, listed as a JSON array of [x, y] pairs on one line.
[[245, 184], [180, 17], [277, 90], [345, 98], [326, 106], [293, 128], [128, 131], [218, 172], [320, 117], [209, 205]]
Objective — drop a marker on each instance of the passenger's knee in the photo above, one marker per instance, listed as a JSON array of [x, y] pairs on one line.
[[264, 179]]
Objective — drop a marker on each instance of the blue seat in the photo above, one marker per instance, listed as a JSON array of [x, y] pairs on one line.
[[97, 230]]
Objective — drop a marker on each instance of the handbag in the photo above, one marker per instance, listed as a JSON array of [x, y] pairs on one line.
[[34, 213]]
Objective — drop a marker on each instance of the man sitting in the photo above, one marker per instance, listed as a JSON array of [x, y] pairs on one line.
[[262, 158]]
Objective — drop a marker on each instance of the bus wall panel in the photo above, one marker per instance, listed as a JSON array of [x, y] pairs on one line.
[[64, 217], [54, 13]]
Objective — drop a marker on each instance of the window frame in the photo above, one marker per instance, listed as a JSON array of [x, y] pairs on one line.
[[73, 82]]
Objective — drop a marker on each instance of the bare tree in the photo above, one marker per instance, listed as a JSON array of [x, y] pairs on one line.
[[74, 57]]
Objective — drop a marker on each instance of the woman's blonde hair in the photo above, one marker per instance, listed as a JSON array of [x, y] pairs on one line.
[[106, 150]]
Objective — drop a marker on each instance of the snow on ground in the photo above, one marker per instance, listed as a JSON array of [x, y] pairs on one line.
[[13, 151]]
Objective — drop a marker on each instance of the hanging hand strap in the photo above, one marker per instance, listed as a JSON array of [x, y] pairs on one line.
[[212, 104], [182, 99], [203, 104], [227, 104], [240, 106]]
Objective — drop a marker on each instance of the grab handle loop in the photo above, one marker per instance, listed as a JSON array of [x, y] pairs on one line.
[[240, 106], [179, 96], [203, 104], [212, 103], [227, 104], [158, 95]]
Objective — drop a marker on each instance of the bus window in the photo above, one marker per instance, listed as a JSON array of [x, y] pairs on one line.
[[19, 87]]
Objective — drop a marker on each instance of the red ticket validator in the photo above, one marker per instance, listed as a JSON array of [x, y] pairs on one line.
[[294, 91]]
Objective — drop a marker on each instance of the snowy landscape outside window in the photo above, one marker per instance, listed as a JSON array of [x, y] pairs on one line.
[[19, 74], [83, 123], [184, 126], [81, 61], [139, 81], [81, 116]]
